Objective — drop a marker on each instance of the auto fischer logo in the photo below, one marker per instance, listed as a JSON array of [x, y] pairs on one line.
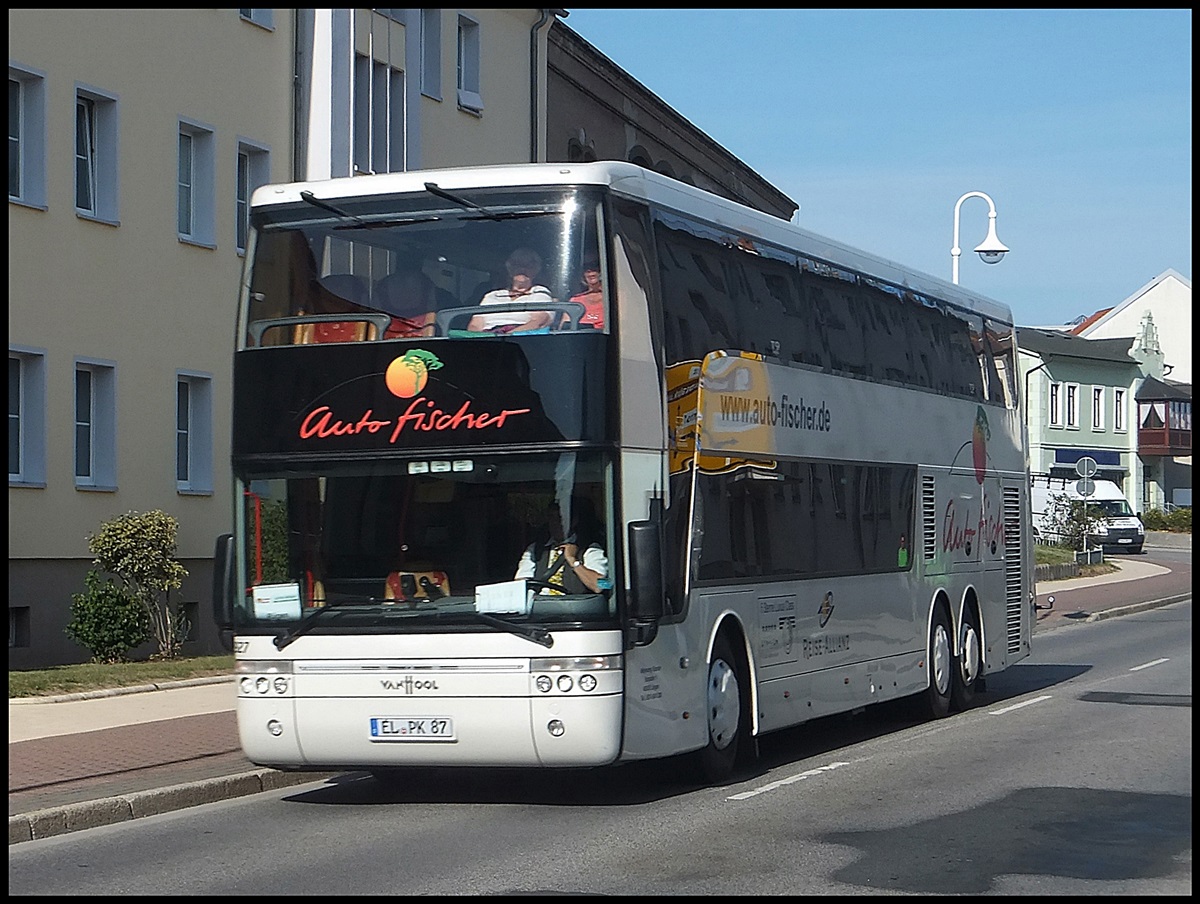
[[408, 374], [406, 378]]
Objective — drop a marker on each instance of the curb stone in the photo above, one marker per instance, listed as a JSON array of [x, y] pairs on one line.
[[121, 691], [109, 810]]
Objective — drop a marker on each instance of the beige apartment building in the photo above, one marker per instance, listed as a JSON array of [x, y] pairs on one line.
[[135, 140]]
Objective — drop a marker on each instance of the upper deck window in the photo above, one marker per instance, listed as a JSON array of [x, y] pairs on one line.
[[427, 265]]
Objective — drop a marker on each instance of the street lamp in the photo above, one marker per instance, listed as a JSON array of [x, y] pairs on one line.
[[991, 250]]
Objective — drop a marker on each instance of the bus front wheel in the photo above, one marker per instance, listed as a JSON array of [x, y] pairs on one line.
[[724, 714], [941, 666]]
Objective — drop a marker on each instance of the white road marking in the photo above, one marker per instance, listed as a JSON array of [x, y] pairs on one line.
[[1138, 668], [786, 781], [1008, 709]]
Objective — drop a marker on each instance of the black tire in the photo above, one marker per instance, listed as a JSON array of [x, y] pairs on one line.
[[968, 664], [725, 707], [935, 701]]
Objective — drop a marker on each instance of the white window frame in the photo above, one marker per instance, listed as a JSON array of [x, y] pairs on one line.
[[1119, 410], [99, 146], [378, 113], [1098, 407], [431, 53], [27, 416], [1071, 404], [252, 168], [193, 433], [470, 97], [1054, 405], [100, 422], [27, 147], [200, 190]]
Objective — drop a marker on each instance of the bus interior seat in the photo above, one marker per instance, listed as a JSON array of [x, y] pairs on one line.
[[411, 586], [343, 292]]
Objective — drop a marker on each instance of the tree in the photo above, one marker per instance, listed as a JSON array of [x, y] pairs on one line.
[[139, 548], [1069, 520]]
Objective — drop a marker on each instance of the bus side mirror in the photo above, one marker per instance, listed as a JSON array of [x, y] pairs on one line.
[[646, 585], [222, 582]]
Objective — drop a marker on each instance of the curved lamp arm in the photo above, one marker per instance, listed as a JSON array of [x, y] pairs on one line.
[[991, 249]]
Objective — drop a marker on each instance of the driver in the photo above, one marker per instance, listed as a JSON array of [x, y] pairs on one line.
[[557, 560]]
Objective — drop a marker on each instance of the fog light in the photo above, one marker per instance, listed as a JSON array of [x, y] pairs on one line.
[[281, 685], [544, 683], [587, 682], [275, 728], [262, 684], [556, 728], [564, 683]]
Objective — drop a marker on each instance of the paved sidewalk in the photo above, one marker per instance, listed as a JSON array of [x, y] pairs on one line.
[[81, 761]]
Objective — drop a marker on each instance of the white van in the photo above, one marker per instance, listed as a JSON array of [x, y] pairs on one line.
[[1121, 528]]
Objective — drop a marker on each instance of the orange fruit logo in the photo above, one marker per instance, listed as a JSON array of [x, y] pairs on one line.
[[408, 374]]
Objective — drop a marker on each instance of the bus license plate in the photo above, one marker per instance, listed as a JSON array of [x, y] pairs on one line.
[[412, 728]]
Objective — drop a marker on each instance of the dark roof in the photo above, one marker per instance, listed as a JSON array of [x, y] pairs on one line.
[[1060, 344], [1153, 390]]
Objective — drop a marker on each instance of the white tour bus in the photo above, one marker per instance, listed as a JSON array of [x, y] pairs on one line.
[[736, 478]]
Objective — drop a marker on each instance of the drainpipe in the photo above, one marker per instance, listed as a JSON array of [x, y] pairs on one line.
[[547, 15]]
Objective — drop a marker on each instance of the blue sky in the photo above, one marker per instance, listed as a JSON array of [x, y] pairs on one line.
[[1077, 123]]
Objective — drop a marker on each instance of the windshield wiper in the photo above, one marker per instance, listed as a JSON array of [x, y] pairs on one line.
[[286, 637], [312, 199], [433, 189], [534, 633]]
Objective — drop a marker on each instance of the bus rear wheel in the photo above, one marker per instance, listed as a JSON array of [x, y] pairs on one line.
[[723, 713], [969, 664]]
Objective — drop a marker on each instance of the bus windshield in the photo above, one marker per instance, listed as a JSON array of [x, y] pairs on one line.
[[414, 544], [420, 265]]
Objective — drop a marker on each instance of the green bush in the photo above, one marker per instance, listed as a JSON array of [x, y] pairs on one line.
[[1180, 520], [106, 620]]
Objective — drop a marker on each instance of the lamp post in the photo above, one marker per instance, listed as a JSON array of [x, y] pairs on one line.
[[991, 250]]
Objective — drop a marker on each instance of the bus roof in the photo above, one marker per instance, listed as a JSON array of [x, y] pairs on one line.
[[634, 181]]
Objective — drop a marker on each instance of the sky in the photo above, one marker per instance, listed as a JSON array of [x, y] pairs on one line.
[[1076, 123]]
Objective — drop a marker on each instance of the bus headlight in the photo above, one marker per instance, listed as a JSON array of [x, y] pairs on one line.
[[587, 682], [544, 684]]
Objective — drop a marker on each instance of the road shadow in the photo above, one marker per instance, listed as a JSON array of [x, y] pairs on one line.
[[1078, 833]]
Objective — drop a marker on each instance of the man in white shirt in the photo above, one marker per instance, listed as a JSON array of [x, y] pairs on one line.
[[523, 266]]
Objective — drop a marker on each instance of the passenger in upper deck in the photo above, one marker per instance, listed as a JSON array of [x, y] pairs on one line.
[[410, 297], [592, 296], [523, 266]]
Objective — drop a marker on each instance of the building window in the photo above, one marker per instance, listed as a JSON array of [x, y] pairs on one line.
[[260, 17], [193, 433], [1072, 405], [253, 170], [195, 221], [1097, 407], [18, 626], [431, 53], [1055, 405], [26, 417], [85, 154], [26, 137], [378, 117], [95, 155], [95, 425], [1119, 410], [469, 97]]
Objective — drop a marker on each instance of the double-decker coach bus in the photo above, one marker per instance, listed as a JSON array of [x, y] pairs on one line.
[[782, 478]]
